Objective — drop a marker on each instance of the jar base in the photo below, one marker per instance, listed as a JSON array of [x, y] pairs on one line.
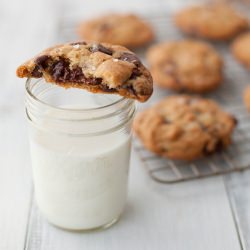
[[90, 230]]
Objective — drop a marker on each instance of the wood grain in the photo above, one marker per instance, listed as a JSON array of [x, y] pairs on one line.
[[238, 186]]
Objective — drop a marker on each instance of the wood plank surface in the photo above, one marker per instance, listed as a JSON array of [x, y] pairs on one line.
[[193, 215], [21, 25], [238, 187]]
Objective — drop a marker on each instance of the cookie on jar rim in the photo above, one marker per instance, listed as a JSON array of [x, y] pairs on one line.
[[211, 21], [184, 127], [125, 29], [96, 67], [186, 65]]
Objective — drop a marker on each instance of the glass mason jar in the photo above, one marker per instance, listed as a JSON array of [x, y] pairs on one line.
[[80, 146]]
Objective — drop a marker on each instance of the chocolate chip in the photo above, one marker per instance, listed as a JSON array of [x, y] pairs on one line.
[[93, 81], [170, 68], [129, 88], [41, 61], [132, 58], [107, 89], [104, 27], [135, 73], [202, 126], [79, 43], [196, 112], [217, 148], [59, 70], [163, 150], [206, 151], [36, 72], [99, 47], [188, 101], [76, 73], [235, 120], [167, 121], [62, 73], [132, 90]]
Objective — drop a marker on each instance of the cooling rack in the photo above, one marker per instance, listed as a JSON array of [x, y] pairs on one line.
[[237, 156]]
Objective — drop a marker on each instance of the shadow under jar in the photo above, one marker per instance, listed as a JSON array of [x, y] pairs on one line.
[[80, 151]]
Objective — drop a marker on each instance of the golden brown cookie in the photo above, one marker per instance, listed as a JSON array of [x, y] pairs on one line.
[[246, 98], [216, 22], [123, 29], [241, 49], [96, 67], [186, 65], [184, 127]]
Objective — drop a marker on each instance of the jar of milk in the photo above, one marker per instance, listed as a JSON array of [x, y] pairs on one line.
[[80, 150]]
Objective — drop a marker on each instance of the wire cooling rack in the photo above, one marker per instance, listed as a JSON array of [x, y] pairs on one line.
[[237, 156]]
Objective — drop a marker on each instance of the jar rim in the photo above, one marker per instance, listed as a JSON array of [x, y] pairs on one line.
[[28, 90], [37, 110]]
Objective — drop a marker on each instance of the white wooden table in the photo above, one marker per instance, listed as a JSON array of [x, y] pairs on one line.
[[211, 214]]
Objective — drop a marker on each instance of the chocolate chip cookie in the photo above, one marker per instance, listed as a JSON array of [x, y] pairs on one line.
[[241, 49], [124, 29], [246, 98], [184, 127], [186, 65], [96, 67], [214, 21]]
